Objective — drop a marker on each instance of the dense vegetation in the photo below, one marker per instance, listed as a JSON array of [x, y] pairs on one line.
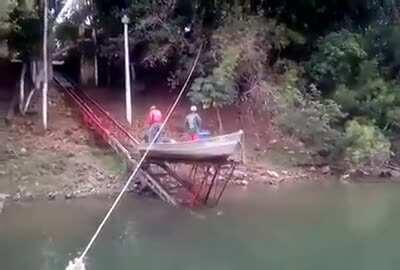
[[326, 70]]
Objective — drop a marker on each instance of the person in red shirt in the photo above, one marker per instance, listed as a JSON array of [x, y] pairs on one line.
[[154, 120], [154, 117]]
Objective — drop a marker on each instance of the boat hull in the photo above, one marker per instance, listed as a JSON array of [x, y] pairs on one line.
[[220, 147]]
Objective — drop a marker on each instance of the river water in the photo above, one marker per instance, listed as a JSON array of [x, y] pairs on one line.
[[336, 226]]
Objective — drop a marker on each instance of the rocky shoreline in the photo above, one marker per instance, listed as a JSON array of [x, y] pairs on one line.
[[111, 185], [101, 185]]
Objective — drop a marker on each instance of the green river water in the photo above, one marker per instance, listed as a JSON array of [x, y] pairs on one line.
[[336, 226]]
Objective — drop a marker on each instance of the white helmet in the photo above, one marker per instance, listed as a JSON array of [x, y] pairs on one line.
[[193, 108]]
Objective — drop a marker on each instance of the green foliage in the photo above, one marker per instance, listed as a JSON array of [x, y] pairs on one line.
[[364, 144], [347, 99], [317, 122], [337, 58], [370, 96], [153, 26], [383, 42], [256, 36], [157, 26], [393, 118], [317, 17], [307, 116], [314, 123], [6, 6], [67, 32], [348, 65], [291, 95], [218, 89], [185, 10], [25, 33]]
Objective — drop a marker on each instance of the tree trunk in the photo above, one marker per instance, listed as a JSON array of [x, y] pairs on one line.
[[108, 83], [36, 80], [219, 118], [96, 65], [22, 89], [207, 10], [87, 65], [94, 38], [254, 6], [11, 109], [34, 75], [28, 101], [236, 6], [87, 70]]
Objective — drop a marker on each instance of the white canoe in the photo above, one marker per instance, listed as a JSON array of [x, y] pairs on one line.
[[218, 147]]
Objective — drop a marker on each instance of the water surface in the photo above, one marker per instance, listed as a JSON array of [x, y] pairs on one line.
[[303, 227]]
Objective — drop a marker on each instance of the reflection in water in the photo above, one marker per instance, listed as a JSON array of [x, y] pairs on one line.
[[368, 208], [302, 228], [50, 257]]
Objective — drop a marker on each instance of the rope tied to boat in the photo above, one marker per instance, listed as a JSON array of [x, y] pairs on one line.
[[78, 263]]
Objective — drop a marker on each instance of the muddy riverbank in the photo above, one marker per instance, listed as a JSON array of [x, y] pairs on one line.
[[67, 162]]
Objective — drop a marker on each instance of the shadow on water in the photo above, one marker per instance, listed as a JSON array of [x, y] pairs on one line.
[[302, 227]]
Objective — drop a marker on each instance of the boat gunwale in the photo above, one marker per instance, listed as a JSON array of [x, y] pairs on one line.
[[215, 139]]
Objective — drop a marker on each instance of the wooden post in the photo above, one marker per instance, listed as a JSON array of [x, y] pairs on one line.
[[45, 67], [128, 101]]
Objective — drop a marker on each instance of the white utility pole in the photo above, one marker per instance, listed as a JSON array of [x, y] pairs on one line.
[[45, 66], [128, 101]]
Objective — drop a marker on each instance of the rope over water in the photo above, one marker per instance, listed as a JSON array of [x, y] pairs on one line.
[[77, 263]]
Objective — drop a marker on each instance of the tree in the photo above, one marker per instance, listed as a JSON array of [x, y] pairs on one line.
[[302, 112], [364, 144], [28, 26], [370, 96], [336, 59], [24, 39], [6, 7], [218, 89]]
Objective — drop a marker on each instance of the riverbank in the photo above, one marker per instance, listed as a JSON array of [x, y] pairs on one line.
[[66, 162]]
